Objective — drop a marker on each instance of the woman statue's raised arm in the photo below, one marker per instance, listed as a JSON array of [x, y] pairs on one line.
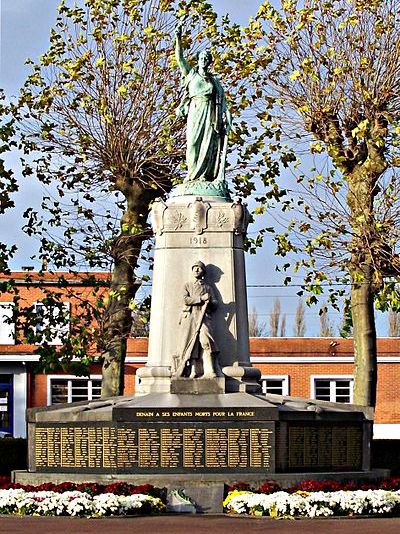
[[183, 64]]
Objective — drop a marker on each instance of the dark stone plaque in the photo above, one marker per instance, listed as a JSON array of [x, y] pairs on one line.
[[165, 447], [319, 447]]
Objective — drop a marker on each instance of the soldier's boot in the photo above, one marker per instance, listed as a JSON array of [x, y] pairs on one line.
[[196, 368], [208, 365]]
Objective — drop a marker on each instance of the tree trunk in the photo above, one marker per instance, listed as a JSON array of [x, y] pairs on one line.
[[361, 194], [118, 325], [118, 315], [365, 353]]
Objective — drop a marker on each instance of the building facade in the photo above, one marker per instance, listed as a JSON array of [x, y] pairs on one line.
[[318, 368]]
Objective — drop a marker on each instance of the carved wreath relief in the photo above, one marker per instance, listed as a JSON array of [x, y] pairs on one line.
[[178, 219], [199, 216]]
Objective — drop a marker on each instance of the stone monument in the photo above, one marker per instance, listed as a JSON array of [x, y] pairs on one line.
[[199, 420], [207, 231], [200, 223]]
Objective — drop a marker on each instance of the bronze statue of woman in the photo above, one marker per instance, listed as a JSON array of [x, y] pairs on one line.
[[208, 119]]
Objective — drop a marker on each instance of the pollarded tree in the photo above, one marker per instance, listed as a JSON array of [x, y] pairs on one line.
[[8, 183], [333, 71], [99, 111], [8, 186]]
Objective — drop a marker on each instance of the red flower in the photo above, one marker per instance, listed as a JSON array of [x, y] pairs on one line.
[[392, 483], [269, 486], [92, 488]]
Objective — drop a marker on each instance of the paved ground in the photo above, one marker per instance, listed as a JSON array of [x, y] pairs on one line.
[[217, 524]]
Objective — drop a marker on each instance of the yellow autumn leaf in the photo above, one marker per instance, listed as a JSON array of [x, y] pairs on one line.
[[122, 91], [360, 131], [353, 19], [121, 38], [295, 74], [316, 148], [259, 210]]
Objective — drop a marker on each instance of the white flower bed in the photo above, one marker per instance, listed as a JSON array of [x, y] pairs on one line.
[[315, 504], [75, 503]]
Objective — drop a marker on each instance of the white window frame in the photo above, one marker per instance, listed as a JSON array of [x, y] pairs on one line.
[[332, 390], [60, 332], [285, 383], [69, 378], [7, 330]]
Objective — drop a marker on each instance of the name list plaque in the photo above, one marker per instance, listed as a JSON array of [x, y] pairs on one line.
[[165, 441], [334, 447]]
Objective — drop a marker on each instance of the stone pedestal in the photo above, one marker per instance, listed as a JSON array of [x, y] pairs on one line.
[[235, 434], [212, 230], [198, 386]]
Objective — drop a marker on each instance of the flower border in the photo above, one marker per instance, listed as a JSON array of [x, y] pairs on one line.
[[76, 503], [313, 504]]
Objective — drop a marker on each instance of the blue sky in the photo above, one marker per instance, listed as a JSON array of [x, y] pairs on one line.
[[25, 28], [24, 32]]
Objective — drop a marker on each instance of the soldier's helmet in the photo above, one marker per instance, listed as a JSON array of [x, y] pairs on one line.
[[199, 264]]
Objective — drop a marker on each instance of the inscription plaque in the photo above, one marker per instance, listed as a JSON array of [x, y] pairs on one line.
[[318, 447], [193, 440], [154, 447]]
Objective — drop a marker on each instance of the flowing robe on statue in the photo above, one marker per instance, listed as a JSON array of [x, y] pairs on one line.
[[204, 104], [196, 325]]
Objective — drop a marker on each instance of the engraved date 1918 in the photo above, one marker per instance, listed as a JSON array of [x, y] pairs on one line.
[[196, 241]]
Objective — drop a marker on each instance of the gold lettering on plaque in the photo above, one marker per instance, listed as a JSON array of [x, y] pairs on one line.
[[260, 447], [153, 446], [193, 448]]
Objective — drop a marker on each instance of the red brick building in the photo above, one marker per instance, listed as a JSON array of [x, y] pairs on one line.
[[302, 367]]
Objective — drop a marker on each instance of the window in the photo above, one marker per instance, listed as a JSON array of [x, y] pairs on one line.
[[277, 385], [7, 327], [73, 389], [332, 388], [52, 322]]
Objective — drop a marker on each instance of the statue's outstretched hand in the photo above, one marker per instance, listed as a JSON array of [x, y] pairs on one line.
[[205, 297]]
